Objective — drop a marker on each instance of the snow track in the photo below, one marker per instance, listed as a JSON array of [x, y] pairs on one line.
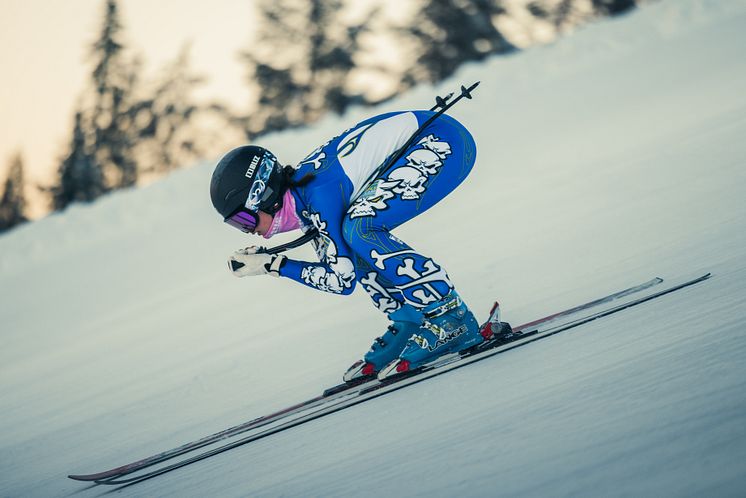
[[612, 155]]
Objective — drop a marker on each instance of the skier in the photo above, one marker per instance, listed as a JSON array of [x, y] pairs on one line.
[[331, 190]]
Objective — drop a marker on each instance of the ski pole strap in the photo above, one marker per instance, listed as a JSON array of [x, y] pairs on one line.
[[310, 235], [440, 102], [306, 237]]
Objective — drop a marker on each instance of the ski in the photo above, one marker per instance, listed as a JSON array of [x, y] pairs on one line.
[[345, 395], [328, 395], [225, 434]]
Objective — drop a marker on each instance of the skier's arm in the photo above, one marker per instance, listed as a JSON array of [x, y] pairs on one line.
[[337, 275], [336, 272], [320, 276]]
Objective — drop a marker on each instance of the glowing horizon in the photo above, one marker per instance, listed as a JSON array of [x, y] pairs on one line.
[[45, 47]]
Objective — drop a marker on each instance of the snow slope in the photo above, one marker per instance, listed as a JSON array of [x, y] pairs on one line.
[[605, 159]]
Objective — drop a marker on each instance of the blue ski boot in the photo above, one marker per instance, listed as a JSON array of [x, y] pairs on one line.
[[449, 327], [406, 322]]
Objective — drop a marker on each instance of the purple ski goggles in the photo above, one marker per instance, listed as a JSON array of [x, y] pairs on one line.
[[263, 192], [244, 220]]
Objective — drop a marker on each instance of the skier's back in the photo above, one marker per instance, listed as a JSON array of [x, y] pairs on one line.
[[333, 191]]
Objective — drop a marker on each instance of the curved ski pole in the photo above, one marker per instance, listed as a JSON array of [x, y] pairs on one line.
[[440, 102]]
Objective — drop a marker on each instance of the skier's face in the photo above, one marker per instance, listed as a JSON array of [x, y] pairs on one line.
[[265, 221]]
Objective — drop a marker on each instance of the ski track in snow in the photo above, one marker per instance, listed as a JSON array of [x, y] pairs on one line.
[[607, 158]]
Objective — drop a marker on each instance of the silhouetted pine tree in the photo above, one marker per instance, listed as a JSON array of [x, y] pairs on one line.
[[121, 130], [79, 175], [568, 14], [451, 32], [330, 57], [162, 119], [613, 7], [565, 14], [13, 202], [274, 61], [115, 78], [300, 63]]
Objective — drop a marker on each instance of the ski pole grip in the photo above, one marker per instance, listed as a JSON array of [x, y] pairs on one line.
[[308, 236], [235, 265]]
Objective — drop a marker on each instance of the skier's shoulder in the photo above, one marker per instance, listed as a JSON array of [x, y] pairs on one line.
[[381, 117], [405, 117], [377, 131], [323, 152], [322, 178]]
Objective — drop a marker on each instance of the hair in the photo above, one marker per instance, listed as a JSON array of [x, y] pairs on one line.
[[288, 172]]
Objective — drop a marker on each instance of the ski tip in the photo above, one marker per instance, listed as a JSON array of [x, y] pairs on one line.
[[703, 277], [697, 277], [84, 478], [96, 477]]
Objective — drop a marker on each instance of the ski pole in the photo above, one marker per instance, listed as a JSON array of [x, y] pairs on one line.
[[306, 237], [440, 102]]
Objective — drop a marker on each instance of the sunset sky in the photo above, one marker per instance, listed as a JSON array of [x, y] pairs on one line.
[[44, 59], [45, 49]]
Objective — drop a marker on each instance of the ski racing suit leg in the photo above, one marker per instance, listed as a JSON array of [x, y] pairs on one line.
[[392, 272]]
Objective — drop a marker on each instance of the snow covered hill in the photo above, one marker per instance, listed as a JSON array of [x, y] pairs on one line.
[[605, 159]]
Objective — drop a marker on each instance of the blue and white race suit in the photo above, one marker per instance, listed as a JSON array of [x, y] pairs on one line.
[[355, 216]]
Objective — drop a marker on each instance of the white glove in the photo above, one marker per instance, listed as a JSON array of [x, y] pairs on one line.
[[247, 261]]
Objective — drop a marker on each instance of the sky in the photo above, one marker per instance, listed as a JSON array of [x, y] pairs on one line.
[[44, 59], [45, 62]]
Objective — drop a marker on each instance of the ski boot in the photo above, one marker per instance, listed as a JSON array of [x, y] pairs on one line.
[[406, 322], [449, 327]]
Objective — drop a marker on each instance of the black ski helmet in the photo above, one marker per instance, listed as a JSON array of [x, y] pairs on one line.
[[246, 170]]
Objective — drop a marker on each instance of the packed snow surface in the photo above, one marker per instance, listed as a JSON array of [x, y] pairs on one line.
[[608, 158]]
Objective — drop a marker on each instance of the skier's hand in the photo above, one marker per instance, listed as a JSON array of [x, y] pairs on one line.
[[249, 261]]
